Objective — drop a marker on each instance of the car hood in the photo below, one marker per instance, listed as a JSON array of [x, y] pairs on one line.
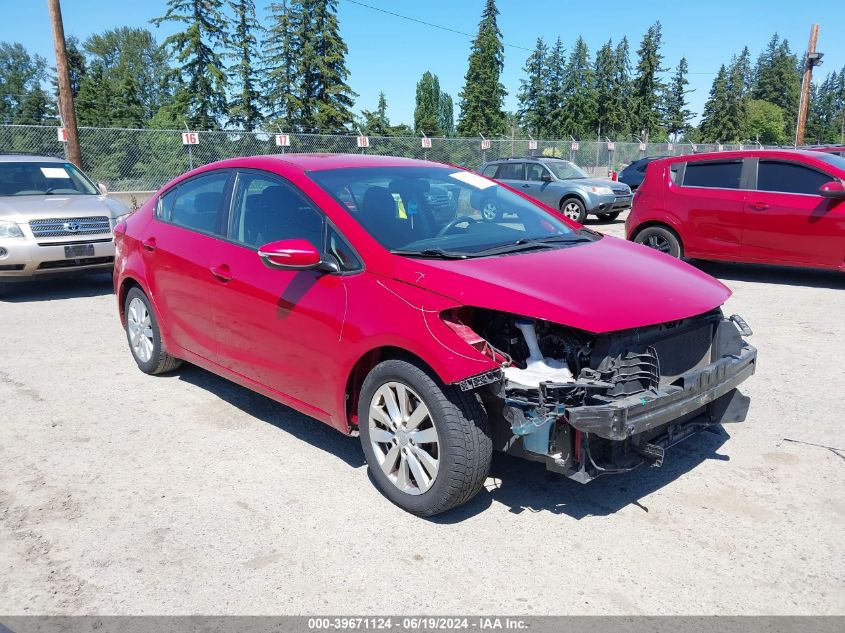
[[598, 287], [26, 208]]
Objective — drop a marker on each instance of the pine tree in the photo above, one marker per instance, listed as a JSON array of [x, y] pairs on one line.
[[282, 46], [608, 115], [647, 86], [197, 49], [427, 110], [20, 75], [533, 96], [96, 98], [244, 108], [555, 94], [375, 122], [714, 125], [446, 114], [736, 114], [326, 98], [483, 95], [778, 78], [623, 86], [677, 113], [579, 107], [35, 108]]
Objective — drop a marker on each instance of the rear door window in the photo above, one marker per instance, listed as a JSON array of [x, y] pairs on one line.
[[198, 204], [489, 171], [534, 171], [713, 174], [511, 171], [785, 177]]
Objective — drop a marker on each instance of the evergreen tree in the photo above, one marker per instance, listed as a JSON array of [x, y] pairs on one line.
[[610, 93], [623, 86], [76, 64], [579, 106], [376, 123], [446, 114], [555, 95], [244, 108], [778, 78], [128, 110], [35, 109], [20, 75], [282, 46], [427, 110], [765, 122], [483, 95], [96, 98], [677, 113], [714, 125], [826, 121], [533, 96], [647, 86], [736, 113], [197, 49]]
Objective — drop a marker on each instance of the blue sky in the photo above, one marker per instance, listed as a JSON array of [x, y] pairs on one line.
[[390, 54]]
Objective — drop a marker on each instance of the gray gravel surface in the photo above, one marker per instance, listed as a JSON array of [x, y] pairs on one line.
[[122, 493]]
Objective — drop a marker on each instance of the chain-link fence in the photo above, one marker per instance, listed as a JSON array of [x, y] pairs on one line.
[[143, 160]]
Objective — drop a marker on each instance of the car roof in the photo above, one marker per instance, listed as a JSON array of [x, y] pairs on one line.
[[11, 157], [319, 162], [745, 153]]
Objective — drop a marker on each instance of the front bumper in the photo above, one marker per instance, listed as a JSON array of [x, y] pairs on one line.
[[610, 204], [26, 257], [626, 417]]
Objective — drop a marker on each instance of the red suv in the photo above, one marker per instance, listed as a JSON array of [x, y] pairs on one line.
[[765, 206], [373, 294]]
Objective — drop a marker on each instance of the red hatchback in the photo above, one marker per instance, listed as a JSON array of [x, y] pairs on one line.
[[764, 206], [372, 294]]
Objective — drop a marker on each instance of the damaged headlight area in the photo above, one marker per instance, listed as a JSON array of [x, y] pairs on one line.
[[588, 404]]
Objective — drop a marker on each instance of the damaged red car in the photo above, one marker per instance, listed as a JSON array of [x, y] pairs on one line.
[[371, 293]]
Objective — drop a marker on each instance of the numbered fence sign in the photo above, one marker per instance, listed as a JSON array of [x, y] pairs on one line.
[[668, 147], [532, 145], [62, 134], [720, 147], [611, 146], [426, 142], [694, 147], [363, 141], [485, 144], [190, 138], [643, 147], [575, 146], [283, 140]]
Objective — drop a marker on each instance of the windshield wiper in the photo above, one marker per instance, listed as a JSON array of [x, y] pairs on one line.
[[432, 252], [530, 243]]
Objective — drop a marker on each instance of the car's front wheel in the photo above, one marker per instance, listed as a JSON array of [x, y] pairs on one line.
[[661, 239], [574, 209], [144, 336], [490, 210], [427, 445]]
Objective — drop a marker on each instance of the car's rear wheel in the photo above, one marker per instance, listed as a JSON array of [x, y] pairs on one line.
[[609, 217], [427, 445], [490, 210], [574, 209], [661, 239], [144, 336]]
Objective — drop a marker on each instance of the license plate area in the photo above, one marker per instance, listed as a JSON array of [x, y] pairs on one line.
[[79, 250]]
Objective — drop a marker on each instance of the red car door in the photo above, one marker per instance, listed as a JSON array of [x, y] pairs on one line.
[[708, 201], [786, 220], [277, 327], [177, 246]]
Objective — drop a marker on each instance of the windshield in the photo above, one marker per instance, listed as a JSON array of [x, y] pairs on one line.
[[833, 159], [47, 178], [564, 170], [441, 211]]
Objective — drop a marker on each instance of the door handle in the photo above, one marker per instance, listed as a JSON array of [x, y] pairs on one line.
[[222, 273], [759, 206], [149, 243]]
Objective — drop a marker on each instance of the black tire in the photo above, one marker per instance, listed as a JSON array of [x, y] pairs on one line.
[[159, 361], [661, 238], [574, 209], [464, 443], [609, 217]]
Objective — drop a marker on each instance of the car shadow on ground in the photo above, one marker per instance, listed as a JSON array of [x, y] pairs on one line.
[[94, 285], [284, 418], [520, 485], [762, 273]]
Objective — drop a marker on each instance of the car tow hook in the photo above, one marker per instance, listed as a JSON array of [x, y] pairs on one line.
[[652, 453]]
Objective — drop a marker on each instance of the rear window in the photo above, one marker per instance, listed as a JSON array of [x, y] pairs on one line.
[[511, 171], [715, 174], [785, 177]]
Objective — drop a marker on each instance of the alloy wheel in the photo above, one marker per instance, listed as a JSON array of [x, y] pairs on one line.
[[572, 211], [140, 329], [489, 212], [404, 438], [658, 243]]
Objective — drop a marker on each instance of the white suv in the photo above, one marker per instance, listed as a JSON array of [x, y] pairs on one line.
[[53, 219]]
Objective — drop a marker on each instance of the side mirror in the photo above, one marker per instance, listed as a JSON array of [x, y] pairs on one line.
[[102, 187], [294, 254], [833, 189], [546, 177]]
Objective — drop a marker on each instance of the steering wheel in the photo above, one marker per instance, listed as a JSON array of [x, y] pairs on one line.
[[455, 222]]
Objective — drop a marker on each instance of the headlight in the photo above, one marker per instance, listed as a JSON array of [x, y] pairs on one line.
[[10, 229], [602, 191]]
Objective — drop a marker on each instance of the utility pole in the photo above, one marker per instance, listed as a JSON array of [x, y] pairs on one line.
[[66, 110], [812, 59]]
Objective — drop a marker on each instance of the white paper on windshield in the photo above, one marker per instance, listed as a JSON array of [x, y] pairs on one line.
[[473, 180], [54, 172]]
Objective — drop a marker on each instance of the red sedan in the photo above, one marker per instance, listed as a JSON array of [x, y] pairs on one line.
[[372, 294], [762, 206]]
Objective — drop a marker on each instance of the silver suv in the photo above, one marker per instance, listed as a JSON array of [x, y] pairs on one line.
[[53, 219], [558, 184]]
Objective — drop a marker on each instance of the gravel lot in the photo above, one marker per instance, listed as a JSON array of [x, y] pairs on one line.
[[185, 494]]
